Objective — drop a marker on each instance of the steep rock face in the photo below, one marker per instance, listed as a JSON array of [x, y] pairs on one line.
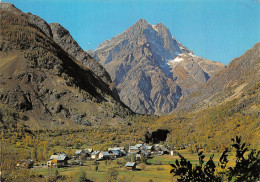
[[191, 71], [9, 7], [240, 80], [39, 22], [63, 38], [142, 64], [46, 85]]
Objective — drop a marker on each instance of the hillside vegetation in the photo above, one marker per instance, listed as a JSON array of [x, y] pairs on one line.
[[45, 86], [240, 80], [53, 100]]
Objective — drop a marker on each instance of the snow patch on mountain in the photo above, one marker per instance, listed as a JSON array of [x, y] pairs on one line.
[[193, 55], [172, 63], [177, 59], [154, 27]]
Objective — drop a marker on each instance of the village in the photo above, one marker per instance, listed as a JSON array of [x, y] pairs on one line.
[[135, 154]]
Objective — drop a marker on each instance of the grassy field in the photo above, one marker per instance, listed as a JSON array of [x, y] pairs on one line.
[[151, 172], [157, 170], [193, 158]]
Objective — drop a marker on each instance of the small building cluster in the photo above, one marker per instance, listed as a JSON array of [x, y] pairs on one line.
[[140, 150], [82, 154], [111, 153], [160, 149], [58, 159], [148, 150]]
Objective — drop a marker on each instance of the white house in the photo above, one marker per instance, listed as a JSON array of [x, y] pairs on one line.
[[94, 155], [104, 155]]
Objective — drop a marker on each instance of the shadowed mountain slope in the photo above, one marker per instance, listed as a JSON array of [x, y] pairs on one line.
[[43, 82]]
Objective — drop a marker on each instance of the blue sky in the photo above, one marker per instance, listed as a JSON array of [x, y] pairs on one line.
[[219, 30]]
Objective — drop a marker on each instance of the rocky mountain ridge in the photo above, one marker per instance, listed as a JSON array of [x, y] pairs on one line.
[[240, 81], [45, 83], [146, 65]]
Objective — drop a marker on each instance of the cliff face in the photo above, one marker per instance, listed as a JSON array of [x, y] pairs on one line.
[[151, 70], [63, 38], [48, 85], [191, 71]]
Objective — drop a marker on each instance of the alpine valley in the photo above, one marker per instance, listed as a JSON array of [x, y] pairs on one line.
[[126, 105]]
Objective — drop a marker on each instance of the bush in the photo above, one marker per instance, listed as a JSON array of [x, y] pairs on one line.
[[81, 177], [111, 175], [246, 169]]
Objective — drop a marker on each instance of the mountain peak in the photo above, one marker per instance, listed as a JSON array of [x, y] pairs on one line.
[[150, 69], [8, 7], [51, 81], [141, 23], [160, 26]]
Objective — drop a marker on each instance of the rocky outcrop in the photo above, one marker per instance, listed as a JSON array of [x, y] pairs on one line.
[[143, 64], [191, 71], [9, 7], [63, 38], [40, 23]]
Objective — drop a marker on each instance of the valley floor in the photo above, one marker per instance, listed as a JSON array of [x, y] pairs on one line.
[[156, 169]]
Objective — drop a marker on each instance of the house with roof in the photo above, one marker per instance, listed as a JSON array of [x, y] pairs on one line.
[[123, 152], [138, 145], [104, 155], [130, 165], [120, 149], [115, 153], [58, 160], [156, 148], [133, 149], [145, 153], [164, 150], [25, 163], [147, 148], [94, 155], [88, 151], [81, 154], [114, 148], [160, 149]]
